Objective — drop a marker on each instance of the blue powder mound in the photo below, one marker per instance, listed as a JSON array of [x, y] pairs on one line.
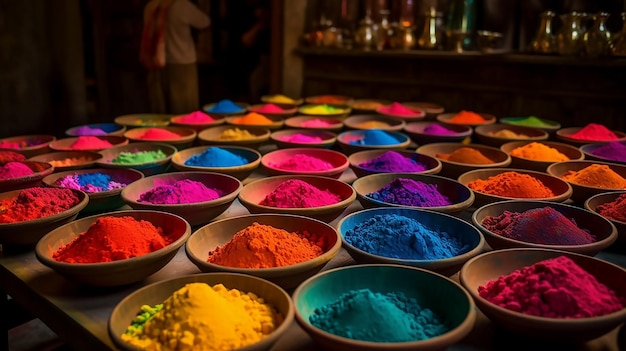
[[368, 316], [409, 192], [90, 182], [216, 157], [375, 137], [401, 237], [225, 106]]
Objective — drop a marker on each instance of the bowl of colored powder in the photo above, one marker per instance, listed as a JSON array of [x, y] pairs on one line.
[[144, 120], [372, 139], [226, 311], [283, 248], [325, 110], [317, 197], [10, 156], [458, 158], [588, 177], [498, 184], [402, 308], [543, 224], [196, 120], [305, 161], [432, 109], [16, 175], [147, 157], [329, 99], [538, 155], [179, 137], [467, 118], [612, 206], [534, 122], [236, 161], [281, 99], [225, 107], [427, 132], [88, 143], [401, 111], [374, 122], [69, 160], [96, 129], [257, 120], [251, 137], [102, 185], [589, 134], [369, 162], [289, 138], [416, 190], [547, 294], [612, 151], [274, 110], [196, 196], [27, 145], [415, 237], [115, 248], [26, 215], [498, 134], [368, 105], [332, 124]]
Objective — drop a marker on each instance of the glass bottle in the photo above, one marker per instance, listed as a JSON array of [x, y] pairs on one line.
[[619, 40], [365, 36], [461, 23], [598, 38], [544, 41], [384, 31], [431, 37], [570, 38]]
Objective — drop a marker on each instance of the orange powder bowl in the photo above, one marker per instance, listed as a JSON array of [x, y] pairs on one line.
[[274, 123], [583, 192], [329, 99], [68, 160], [185, 135], [218, 233], [40, 170], [30, 145], [594, 201], [494, 264], [447, 117], [368, 105], [572, 152], [498, 134], [213, 136], [453, 169], [65, 144], [563, 135], [114, 273]]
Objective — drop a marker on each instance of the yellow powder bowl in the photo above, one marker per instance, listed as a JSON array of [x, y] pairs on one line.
[[322, 110], [583, 192], [498, 134], [218, 233], [156, 293], [454, 169], [573, 153], [214, 136], [374, 121], [281, 99]]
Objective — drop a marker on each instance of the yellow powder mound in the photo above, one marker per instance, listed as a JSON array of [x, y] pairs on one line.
[[596, 175]]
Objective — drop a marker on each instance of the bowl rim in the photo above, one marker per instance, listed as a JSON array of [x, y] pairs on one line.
[[550, 124], [48, 138], [97, 194], [168, 149], [482, 131], [308, 151], [409, 128], [587, 150], [502, 164], [199, 149], [550, 170], [402, 138], [84, 200], [419, 113], [519, 143]]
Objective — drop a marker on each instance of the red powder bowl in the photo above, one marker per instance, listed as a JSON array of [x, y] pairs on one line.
[[65, 144], [167, 135], [593, 202], [27, 145], [564, 134], [338, 160]]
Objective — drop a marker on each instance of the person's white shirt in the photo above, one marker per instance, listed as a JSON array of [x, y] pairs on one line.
[[179, 44]]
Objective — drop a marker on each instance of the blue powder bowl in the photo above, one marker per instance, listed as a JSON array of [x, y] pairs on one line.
[[230, 164], [372, 139], [466, 233], [443, 296]]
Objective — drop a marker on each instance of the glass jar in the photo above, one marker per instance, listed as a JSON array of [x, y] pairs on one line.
[[619, 40], [598, 38], [544, 41], [431, 37], [570, 38]]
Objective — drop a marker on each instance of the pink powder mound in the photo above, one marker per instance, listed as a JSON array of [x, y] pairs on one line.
[[316, 123], [158, 134], [184, 191], [594, 131], [270, 108], [397, 108], [437, 129], [301, 138], [196, 117], [295, 193], [302, 162], [12, 170], [88, 142]]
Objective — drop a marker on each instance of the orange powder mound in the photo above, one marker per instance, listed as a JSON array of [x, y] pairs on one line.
[[539, 152], [466, 155], [596, 175], [467, 117], [507, 133], [512, 184], [253, 118]]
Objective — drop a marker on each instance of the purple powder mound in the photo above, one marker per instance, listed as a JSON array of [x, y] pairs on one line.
[[437, 129], [392, 161], [612, 151], [86, 130], [409, 192], [182, 192]]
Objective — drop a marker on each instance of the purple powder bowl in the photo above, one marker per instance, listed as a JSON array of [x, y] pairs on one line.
[[432, 132], [362, 164], [614, 151]]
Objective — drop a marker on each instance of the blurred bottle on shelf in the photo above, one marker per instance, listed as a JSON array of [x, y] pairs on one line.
[[544, 41], [432, 34], [570, 40], [598, 38], [619, 40], [461, 25]]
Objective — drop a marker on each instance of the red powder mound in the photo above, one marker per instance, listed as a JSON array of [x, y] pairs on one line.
[[159, 134], [594, 131], [295, 193], [89, 142]]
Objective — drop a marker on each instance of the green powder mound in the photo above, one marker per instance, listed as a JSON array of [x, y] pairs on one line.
[[530, 121], [139, 157]]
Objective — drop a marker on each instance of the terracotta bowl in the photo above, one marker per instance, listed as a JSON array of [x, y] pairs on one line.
[[331, 124], [601, 228], [483, 134], [460, 195], [446, 117], [549, 125], [240, 172], [380, 121], [415, 130], [368, 105], [593, 202], [178, 121], [329, 99], [243, 109], [218, 233], [144, 120], [109, 128], [186, 139], [288, 110], [83, 159], [453, 169], [582, 192], [433, 165], [342, 110], [563, 135], [147, 168], [196, 213], [444, 296], [65, 144], [114, 273], [490, 266], [30, 145], [589, 151], [339, 161], [570, 151], [254, 192], [279, 137], [345, 140], [211, 136], [277, 122], [40, 170]]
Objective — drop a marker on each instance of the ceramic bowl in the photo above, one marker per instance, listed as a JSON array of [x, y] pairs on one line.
[[281, 99], [446, 117], [590, 150], [254, 192], [437, 222], [563, 135], [329, 99], [489, 266], [570, 151], [288, 110], [65, 144], [108, 128], [68, 160], [114, 273], [416, 115], [415, 130], [582, 192], [357, 159], [601, 228], [453, 169], [144, 120], [374, 122], [347, 139], [242, 105], [127, 309], [331, 124], [27, 233], [240, 172], [220, 232], [11, 156], [277, 122], [40, 170], [179, 121], [484, 134], [282, 138], [337, 160], [432, 109], [594, 201], [341, 111], [211, 136], [196, 213], [147, 168], [186, 136], [546, 124], [443, 296], [368, 105], [27, 145], [460, 195]]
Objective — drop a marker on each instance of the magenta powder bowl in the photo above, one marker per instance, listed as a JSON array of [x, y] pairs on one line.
[[289, 138], [421, 132], [614, 152], [277, 162], [431, 164]]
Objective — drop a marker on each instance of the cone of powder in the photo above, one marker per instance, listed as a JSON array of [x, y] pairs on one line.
[[158, 134], [89, 143], [594, 131], [466, 155], [253, 118]]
